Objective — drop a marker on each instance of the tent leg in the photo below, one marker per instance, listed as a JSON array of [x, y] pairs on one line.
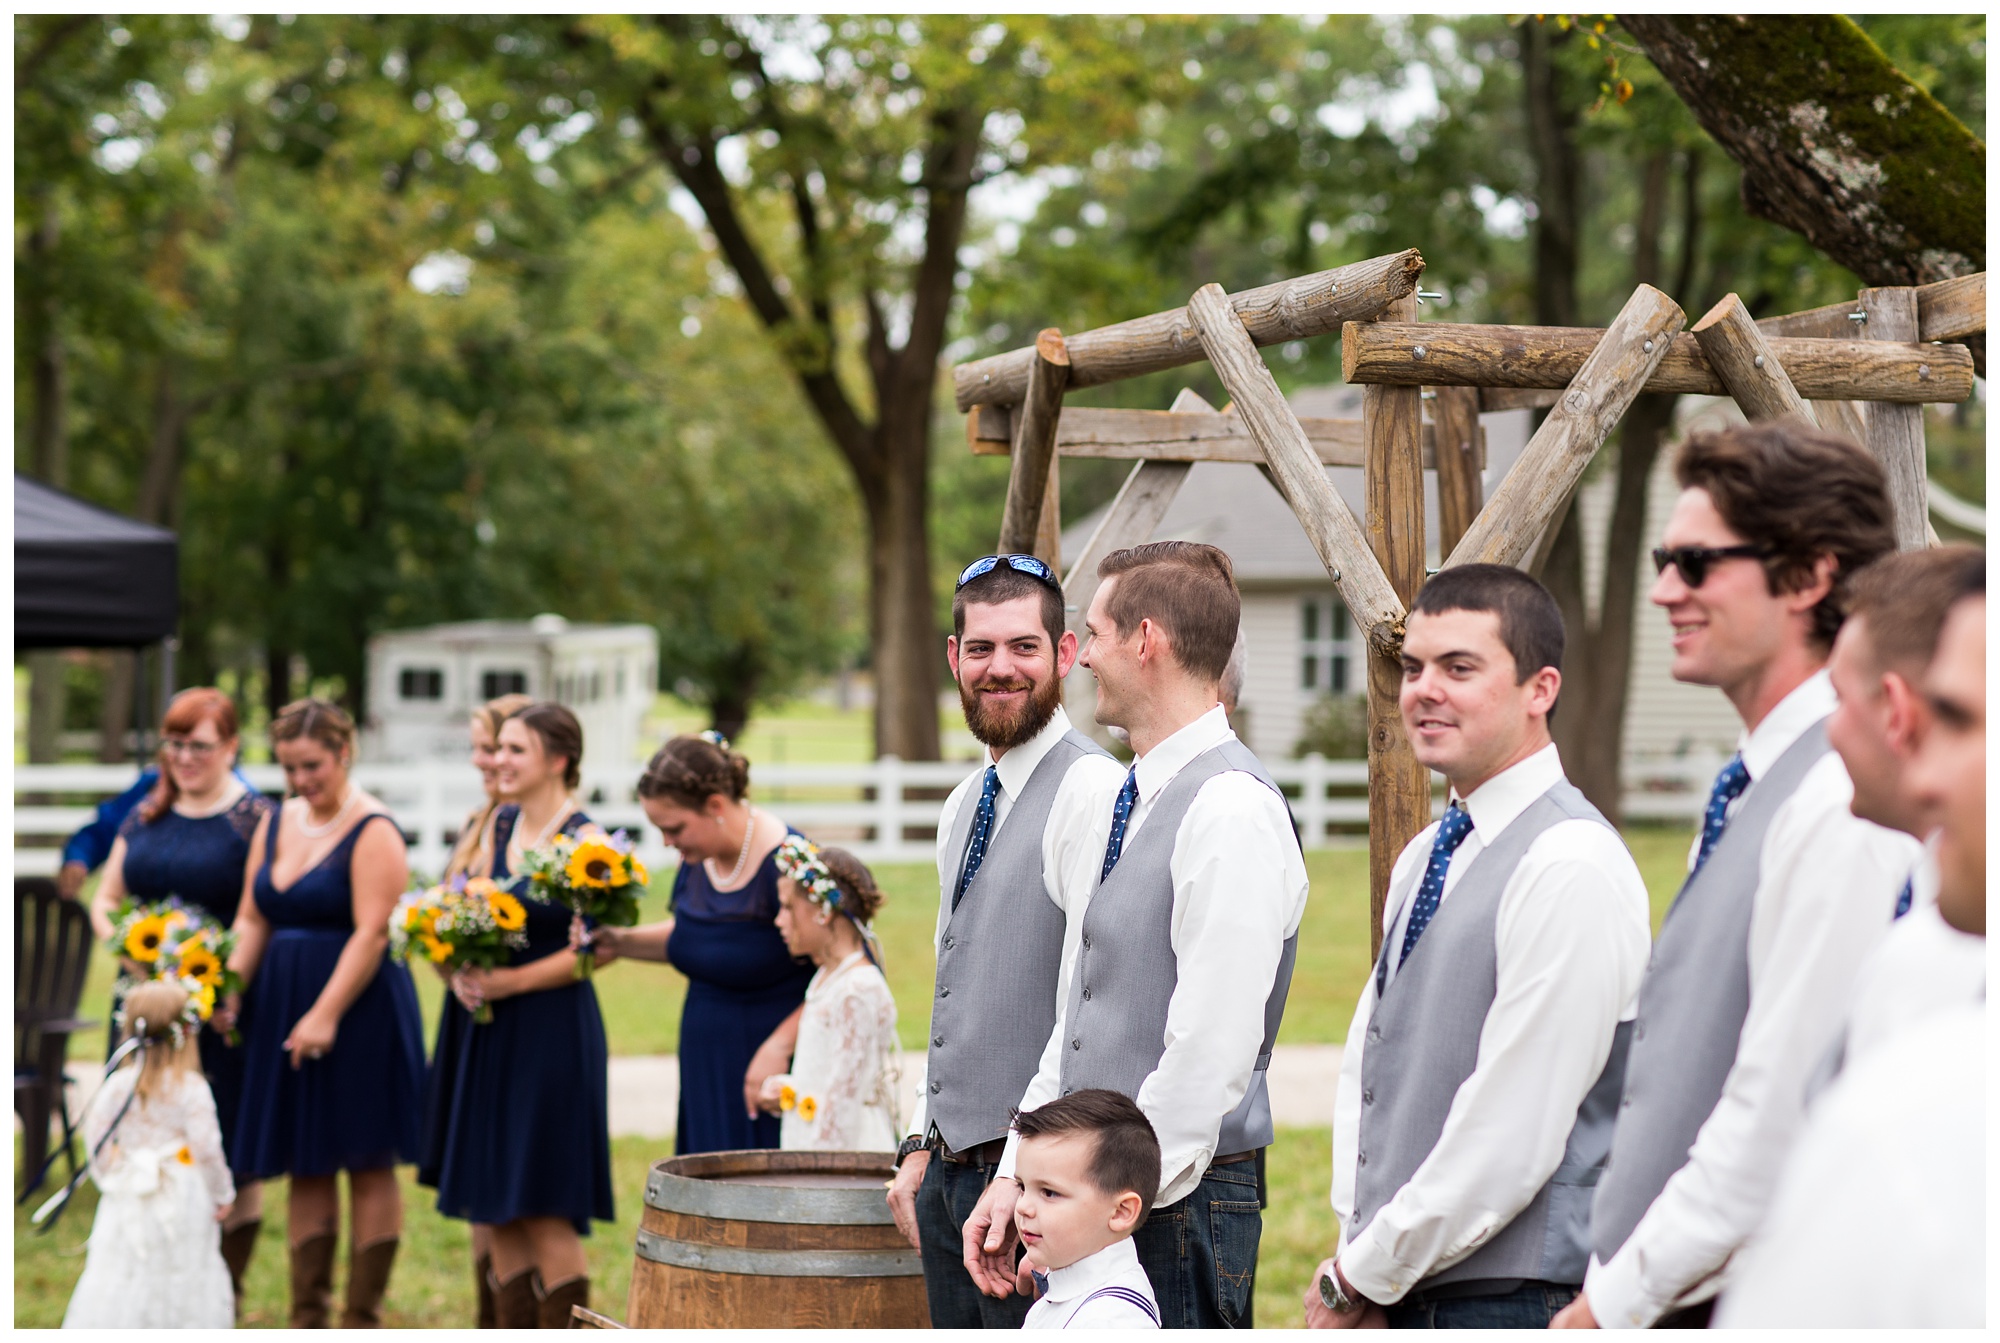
[[169, 646], [139, 705]]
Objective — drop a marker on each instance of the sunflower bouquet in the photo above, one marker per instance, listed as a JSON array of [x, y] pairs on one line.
[[460, 923], [595, 875], [166, 939]]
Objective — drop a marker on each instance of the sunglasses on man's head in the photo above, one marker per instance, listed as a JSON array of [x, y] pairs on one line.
[[1026, 564], [1693, 561]]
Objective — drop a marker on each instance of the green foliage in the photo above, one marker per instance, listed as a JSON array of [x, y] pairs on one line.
[[1336, 726]]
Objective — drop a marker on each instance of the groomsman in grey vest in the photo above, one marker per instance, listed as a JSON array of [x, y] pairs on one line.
[[1018, 845], [1481, 1077], [1178, 982], [1787, 890]]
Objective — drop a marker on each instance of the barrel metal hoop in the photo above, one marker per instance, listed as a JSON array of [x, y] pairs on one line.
[[780, 1263], [765, 1203]]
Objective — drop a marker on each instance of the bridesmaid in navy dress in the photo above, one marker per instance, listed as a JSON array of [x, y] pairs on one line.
[[522, 1115], [745, 991], [191, 838], [333, 1073]]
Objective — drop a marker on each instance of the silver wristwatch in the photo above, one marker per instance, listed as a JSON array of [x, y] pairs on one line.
[[1335, 1300]]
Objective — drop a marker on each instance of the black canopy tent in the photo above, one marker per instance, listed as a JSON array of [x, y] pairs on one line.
[[85, 577]]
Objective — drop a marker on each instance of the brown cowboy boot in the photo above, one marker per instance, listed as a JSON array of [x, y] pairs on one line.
[[482, 1277], [367, 1283], [312, 1281], [553, 1311], [237, 1244], [514, 1304]]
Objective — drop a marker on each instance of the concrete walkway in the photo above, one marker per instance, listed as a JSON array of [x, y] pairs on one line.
[[645, 1089]]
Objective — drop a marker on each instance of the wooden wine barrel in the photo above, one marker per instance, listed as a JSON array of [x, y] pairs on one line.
[[773, 1240]]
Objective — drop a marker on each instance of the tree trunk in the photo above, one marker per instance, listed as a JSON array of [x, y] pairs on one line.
[[1835, 142], [49, 436], [1552, 144], [157, 488], [114, 717]]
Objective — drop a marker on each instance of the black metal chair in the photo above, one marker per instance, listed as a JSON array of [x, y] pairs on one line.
[[51, 960]]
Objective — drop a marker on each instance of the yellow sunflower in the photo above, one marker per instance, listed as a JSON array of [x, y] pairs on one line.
[[198, 962], [596, 865], [808, 1108], [184, 1156], [438, 949], [508, 913], [787, 1098], [204, 1001], [638, 869], [143, 942]]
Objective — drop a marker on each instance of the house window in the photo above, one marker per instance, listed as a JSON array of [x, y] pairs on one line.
[[494, 684], [421, 683], [1328, 654]]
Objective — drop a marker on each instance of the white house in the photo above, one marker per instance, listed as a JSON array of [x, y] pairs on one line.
[[423, 684]]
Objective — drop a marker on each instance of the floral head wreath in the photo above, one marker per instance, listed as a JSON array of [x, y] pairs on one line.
[[798, 858], [715, 739], [183, 1027]]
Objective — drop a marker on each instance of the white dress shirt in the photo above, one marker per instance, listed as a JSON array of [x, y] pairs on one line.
[[1239, 891], [1825, 900], [1572, 936], [1068, 1304], [1879, 1220], [1924, 966], [1072, 842]]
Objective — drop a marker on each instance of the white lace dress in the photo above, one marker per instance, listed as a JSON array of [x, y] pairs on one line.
[[155, 1256], [844, 1077]]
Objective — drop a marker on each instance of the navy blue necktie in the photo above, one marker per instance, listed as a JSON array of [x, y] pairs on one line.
[[1452, 830], [1729, 785], [982, 834], [1905, 896], [1128, 798]]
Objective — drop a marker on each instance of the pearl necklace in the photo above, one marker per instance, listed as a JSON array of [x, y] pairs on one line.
[[311, 831], [742, 856]]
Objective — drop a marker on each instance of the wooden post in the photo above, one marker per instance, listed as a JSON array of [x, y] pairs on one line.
[[1896, 432], [1455, 416], [1048, 534], [1740, 355], [1399, 789], [1176, 436], [1034, 444], [1328, 522], [1528, 501]]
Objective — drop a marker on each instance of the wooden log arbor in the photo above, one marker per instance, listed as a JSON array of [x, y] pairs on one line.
[[1865, 369]]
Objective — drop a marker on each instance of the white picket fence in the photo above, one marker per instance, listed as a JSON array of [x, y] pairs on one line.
[[886, 810]]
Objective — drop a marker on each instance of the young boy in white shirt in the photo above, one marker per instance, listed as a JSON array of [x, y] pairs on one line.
[[1089, 1166]]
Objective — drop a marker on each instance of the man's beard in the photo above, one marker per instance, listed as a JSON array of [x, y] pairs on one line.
[[1003, 728]]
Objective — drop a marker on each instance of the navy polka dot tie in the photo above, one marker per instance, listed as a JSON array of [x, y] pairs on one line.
[[1128, 798], [1904, 897], [982, 834], [1729, 785], [1452, 830]]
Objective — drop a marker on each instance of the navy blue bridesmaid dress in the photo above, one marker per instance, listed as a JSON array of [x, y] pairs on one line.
[[741, 984], [357, 1107], [520, 1121], [200, 860]]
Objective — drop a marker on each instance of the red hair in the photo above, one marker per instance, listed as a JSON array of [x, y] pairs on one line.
[[188, 711]]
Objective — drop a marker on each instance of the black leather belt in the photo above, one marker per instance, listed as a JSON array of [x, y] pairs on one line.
[[984, 1154]]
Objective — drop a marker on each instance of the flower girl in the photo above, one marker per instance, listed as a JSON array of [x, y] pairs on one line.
[[155, 1256], [841, 1092]]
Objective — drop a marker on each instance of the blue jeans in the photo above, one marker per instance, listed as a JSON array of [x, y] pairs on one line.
[[1530, 1306], [944, 1200], [1201, 1252]]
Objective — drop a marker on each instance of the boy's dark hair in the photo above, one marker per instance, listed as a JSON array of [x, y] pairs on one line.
[[1801, 493], [1005, 584], [1531, 624], [1128, 1153]]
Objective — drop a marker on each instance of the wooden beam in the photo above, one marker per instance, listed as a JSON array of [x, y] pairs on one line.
[[1311, 305], [1399, 789], [1048, 532], [1455, 413], [1541, 481], [1518, 398], [1328, 522], [1952, 309], [1168, 435], [1440, 353], [1835, 321], [1034, 444], [1740, 354], [1895, 433]]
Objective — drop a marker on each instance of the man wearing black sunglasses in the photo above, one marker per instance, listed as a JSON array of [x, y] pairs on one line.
[[1787, 890]]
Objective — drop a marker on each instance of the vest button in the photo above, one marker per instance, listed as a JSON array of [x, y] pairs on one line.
[[1367, 1098], [1076, 1044], [1361, 1159], [934, 1088], [937, 1040], [947, 944], [1374, 1032], [1086, 941], [944, 993], [1086, 995]]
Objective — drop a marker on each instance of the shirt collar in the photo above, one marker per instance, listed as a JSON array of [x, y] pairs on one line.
[[1157, 768], [1494, 804], [1812, 700], [1020, 763], [1092, 1271]]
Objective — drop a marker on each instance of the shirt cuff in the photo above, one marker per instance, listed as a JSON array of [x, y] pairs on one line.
[[1374, 1273], [1618, 1300], [1008, 1156]]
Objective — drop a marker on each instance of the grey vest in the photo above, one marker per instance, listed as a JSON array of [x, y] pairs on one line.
[[1423, 1040], [1125, 970], [1692, 1003], [994, 1005]]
